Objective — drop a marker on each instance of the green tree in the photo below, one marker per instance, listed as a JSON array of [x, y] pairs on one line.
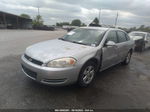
[[96, 21], [76, 22], [25, 16], [57, 24], [65, 23], [62, 23], [142, 27], [83, 24], [37, 21]]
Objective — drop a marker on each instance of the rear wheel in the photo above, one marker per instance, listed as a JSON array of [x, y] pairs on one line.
[[127, 59], [87, 74]]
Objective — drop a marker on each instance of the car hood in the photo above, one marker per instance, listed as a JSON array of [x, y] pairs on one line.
[[53, 49], [136, 37]]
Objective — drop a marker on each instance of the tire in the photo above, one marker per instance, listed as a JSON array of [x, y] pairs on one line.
[[87, 74], [127, 59]]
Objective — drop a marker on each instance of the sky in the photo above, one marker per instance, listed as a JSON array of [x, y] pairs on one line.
[[130, 12]]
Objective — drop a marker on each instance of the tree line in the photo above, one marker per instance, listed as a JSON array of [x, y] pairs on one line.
[[38, 21], [75, 22], [141, 28]]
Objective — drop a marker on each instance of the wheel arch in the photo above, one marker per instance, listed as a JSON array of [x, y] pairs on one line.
[[95, 60], [131, 50]]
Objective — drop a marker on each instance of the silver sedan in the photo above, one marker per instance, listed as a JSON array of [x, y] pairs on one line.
[[77, 56]]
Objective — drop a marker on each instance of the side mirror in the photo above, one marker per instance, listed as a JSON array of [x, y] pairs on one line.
[[110, 43]]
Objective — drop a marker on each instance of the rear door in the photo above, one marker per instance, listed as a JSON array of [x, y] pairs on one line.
[[110, 53], [122, 45]]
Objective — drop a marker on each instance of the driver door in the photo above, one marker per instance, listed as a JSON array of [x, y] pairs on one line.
[[110, 53]]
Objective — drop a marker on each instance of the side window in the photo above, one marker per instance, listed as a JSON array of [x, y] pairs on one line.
[[121, 36], [112, 36]]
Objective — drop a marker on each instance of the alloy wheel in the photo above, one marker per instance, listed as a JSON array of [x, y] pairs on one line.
[[88, 74]]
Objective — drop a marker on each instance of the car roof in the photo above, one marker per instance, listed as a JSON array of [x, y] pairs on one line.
[[96, 28], [101, 28]]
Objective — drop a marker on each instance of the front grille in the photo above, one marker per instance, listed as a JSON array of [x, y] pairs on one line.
[[29, 72], [33, 60]]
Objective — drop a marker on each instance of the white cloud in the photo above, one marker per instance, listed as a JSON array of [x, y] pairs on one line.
[[131, 13]]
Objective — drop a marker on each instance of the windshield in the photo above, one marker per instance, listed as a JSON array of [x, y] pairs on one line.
[[137, 34], [90, 37]]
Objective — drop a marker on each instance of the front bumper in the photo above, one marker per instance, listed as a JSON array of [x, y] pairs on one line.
[[49, 76]]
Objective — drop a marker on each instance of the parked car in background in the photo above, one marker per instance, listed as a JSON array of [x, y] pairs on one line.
[[142, 39], [77, 56], [44, 27]]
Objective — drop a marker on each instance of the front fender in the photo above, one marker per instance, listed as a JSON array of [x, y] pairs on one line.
[[97, 55]]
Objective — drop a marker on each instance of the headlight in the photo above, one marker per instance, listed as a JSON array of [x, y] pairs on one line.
[[62, 62]]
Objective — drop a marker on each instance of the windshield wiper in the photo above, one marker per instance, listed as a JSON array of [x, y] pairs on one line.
[[78, 42], [73, 41], [62, 39]]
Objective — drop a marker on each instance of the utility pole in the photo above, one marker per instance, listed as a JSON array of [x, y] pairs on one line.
[[100, 16], [116, 20], [38, 11]]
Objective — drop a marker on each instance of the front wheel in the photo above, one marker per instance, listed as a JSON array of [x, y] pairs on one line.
[[87, 74], [127, 59]]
